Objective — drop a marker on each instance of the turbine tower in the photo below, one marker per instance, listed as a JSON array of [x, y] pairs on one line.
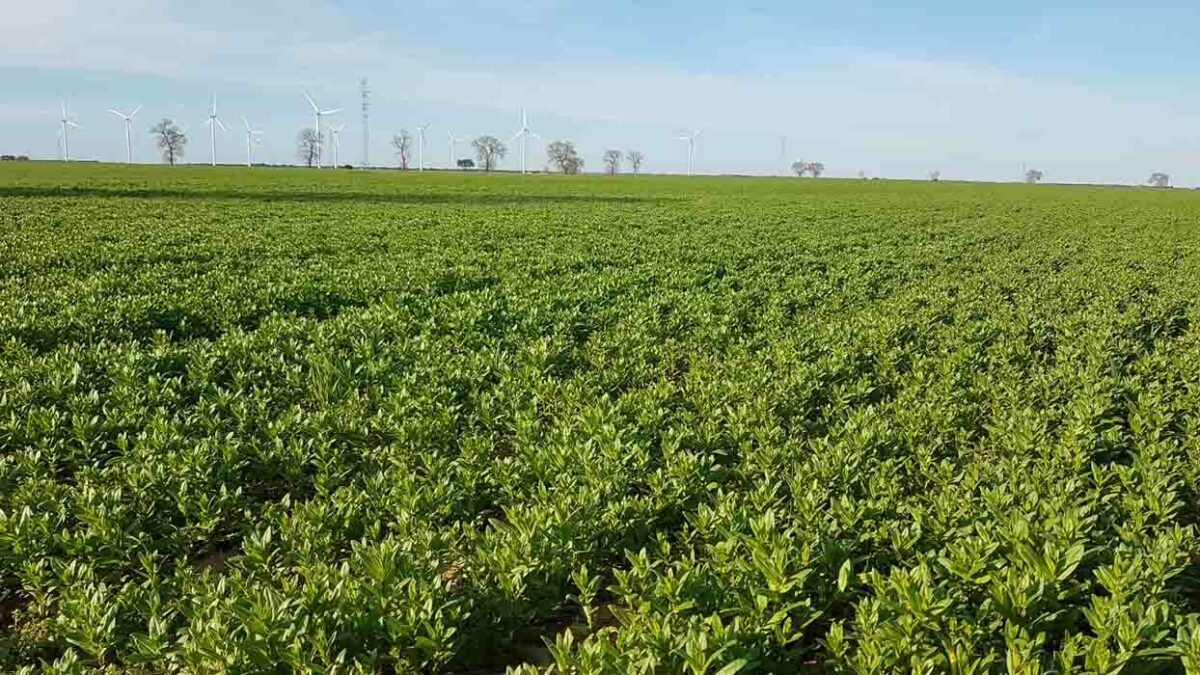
[[318, 114], [213, 122], [366, 117], [252, 135], [454, 149], [783, 156], [421, 146], [691, 141], [67, 124], [335, 135], [128, 124], [523, 134]]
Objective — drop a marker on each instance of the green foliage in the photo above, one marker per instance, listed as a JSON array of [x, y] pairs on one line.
[[287, 421]]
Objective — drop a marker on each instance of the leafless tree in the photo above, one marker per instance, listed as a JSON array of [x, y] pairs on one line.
[[815, 168], [402, 142], [635, 158], [170, 139], [935, 176], [1034, 176], [1159, 179], [308, 146], [563, 157], [862, 175], [489, 150], [612, 161]]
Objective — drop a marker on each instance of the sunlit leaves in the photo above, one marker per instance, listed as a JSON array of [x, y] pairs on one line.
[[363, 422]]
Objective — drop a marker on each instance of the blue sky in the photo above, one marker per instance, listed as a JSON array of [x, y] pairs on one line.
[[1088, 92]]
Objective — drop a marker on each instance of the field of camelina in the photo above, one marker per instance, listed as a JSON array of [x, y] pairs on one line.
[[343, 421]]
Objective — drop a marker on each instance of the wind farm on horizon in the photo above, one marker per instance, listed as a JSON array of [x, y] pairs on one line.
[[328, 139]]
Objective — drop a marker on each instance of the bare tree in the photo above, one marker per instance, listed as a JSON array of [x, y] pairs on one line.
[[935, 176], [170, 139], [402, 142], [799, 168], [862, 175], [564, 157], [1159, 179], [489, 150], [815, 168], [1034, 176], [308, 146], [612, 161], [635, 158]]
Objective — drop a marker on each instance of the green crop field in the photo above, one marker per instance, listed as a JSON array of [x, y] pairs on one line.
[[315, 421]]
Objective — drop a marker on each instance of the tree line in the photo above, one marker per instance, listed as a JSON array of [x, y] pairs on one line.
[[562, 156]]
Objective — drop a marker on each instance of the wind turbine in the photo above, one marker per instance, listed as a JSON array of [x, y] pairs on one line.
[[128, 124], [334, 135], [318, 114], [454, 148], [421, 146], [524, 133], [782, 155], [213, 122], [691, 141], [67, 123], [251, 139]]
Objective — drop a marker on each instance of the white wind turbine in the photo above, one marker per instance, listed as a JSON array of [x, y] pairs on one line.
[[317, 115], [454, 148], [335, 135], [524, 133], [213, 122], [128, 124], [252, 139], [67, 124], [421, 146], [691, 141]]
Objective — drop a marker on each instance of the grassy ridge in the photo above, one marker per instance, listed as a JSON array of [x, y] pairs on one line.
[[277, 420]]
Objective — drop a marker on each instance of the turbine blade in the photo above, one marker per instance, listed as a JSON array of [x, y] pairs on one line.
[[311, 102], [218, 121], [135, 111], [330, 112], [118, 114], [246, 122], [535, 134]]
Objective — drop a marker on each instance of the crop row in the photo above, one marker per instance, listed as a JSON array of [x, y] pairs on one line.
[[728, 428]]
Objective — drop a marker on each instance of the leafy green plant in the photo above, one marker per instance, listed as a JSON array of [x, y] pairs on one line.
[[284, 421]]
